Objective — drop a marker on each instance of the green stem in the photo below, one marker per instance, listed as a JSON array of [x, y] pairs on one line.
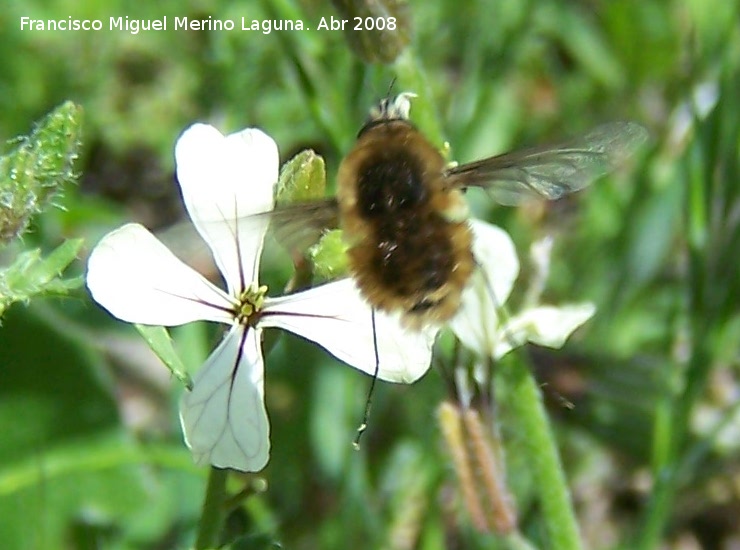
[[542, 455], [212, 515]]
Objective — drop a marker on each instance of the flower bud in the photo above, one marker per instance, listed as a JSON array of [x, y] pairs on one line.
[[377, 30], [33, 172], [302, 178]]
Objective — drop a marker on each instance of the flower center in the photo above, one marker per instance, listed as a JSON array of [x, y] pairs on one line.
[[251, 300]]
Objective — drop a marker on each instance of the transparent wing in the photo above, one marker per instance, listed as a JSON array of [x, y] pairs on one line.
[[296, 227], [552, 171]]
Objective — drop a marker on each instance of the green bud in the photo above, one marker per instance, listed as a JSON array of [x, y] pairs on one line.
[[377, 30], [329, 256], [35, 170], [302, 178]]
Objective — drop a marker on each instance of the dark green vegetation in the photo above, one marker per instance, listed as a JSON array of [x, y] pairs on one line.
[[91, 452]]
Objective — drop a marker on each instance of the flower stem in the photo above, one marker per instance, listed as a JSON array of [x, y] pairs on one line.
[[542, 455], [212, 514]]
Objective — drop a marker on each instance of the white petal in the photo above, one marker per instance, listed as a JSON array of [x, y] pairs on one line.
[[224, 418], [476, 323], [496, 256], [224, 181], [338, 319], [226, 176], [135, 277], [548, 326]]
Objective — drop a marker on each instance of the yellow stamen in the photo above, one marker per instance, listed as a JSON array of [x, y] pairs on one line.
[[251, 300]]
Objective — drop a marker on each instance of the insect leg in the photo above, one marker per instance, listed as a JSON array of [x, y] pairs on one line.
[[368, 402]]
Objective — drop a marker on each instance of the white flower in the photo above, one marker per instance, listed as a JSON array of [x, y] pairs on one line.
[[478, 324], [137, 279]]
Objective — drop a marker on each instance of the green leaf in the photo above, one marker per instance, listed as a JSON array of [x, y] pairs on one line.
[[50, 390], [52, 404], [94, 486], [59, 487], [586, 44], [68, 467], [160, 342], [30, 275]]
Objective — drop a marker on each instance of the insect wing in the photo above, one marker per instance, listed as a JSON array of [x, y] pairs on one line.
[[552, 171], [295, 226], [300, 225]]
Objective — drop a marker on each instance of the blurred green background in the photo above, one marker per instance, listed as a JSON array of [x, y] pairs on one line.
[[91, 454]]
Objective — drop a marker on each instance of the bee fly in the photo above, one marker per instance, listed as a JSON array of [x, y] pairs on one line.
[[405, 224], [403, 213]]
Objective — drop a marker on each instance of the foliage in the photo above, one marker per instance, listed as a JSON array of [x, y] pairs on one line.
[[91, 453]]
